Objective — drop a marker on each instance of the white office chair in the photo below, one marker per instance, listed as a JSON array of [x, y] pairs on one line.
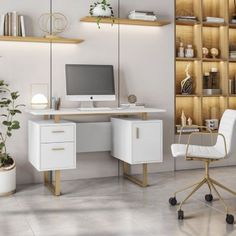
[[225, 147]]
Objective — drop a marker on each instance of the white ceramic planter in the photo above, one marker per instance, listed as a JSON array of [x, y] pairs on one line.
[[99, 11], [7, 180]]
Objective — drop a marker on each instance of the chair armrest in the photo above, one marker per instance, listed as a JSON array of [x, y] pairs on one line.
[[198, 126], [206, 134]]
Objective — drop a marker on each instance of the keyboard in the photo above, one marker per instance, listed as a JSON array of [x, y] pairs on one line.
[[95, 109]]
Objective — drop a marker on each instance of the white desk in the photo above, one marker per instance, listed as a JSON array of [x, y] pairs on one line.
[[76, 112], [57, 115]]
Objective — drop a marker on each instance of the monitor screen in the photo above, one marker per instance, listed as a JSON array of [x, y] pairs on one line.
[[89, 80]]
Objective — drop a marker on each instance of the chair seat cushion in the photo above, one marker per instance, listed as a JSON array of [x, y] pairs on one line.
[[208, 152]]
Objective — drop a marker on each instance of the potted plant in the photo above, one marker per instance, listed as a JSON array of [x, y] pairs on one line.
[[8, 110], [101, 9]]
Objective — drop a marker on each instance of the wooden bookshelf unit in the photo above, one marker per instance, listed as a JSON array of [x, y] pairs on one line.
[[210, 35]]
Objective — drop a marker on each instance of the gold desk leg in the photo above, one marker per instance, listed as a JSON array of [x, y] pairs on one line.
[[144, 116], [57, 119], [143, 183], [56, 187]]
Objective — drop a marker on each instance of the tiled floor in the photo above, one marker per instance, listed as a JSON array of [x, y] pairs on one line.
[[116, 207]]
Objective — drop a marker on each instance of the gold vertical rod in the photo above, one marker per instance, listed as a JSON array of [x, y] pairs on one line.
[[46, 177], [57, 119], [144, 116], [57, 182], [145, 175], [206, 169]]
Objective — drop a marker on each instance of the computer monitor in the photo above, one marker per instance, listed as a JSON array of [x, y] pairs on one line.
[[90, 83]]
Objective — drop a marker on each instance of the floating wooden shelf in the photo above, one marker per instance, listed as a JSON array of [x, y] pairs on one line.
[[184, 96], [214, 96], [122, 21], [232, 60], [232, 26], [187, 59], [210, 24], [213, 59], [41, 40], [187, 22]]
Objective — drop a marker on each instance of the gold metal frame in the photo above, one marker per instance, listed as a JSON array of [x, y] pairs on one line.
[[126, 173], [207, 179], [55, 188]]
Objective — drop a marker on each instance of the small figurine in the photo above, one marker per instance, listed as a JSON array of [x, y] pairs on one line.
[[187, 83], [181, 50], [190, 122], [214, 52], [183, 119], [189, 52], [205, 52], [132, 99]]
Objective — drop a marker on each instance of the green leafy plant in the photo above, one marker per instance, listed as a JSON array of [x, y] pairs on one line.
[[8, 110], [104, 4]]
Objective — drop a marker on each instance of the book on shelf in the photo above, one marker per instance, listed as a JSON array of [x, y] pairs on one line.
[[22, 26], [142, 15], [210, 19], [12, 24], [2, 21], [187, 129], [142, 12], [186, 18]]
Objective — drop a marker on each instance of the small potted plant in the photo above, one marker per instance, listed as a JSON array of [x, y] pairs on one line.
[[100, 10], [8, 110]]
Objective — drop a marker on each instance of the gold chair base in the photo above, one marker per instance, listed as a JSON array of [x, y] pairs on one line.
[[55, 188], [126, 173], [211, 184]]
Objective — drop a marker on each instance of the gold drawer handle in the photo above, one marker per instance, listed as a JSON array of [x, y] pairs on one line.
[[58, 131], [58, 149], [137, 133]]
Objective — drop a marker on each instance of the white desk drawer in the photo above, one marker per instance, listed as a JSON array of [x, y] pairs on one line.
[[58, 156], [54, 134]]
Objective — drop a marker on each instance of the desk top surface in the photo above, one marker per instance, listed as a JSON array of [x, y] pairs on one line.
[[113, 111]]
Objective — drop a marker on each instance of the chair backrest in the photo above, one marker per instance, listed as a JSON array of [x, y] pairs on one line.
[[228, 129]]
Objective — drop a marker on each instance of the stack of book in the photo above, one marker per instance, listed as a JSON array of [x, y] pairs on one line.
[[186, 18], [187, 129], [214, 20], [232, 54], [232, 51], [12, 24], [142, 15]]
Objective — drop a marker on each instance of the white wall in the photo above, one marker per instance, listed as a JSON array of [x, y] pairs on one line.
[[143, 56]]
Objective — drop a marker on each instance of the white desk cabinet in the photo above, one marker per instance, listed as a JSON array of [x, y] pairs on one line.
[[52, 146], [137, 141]]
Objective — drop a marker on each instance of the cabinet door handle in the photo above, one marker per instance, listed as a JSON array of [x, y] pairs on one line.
[[58, 149], [137, 133], [58, 131]]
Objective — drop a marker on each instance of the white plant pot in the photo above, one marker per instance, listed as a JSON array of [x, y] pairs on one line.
[[7, 180], [99, 11]]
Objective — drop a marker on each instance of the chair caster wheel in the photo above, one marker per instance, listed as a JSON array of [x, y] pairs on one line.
[[180, 215], [208, 197], [229, 219], [172, 201]]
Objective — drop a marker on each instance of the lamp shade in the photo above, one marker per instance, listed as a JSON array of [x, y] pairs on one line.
[[39, 101], [39, 96]]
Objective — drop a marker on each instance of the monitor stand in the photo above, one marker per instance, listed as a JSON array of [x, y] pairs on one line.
[[87, 104], [90, 106]]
